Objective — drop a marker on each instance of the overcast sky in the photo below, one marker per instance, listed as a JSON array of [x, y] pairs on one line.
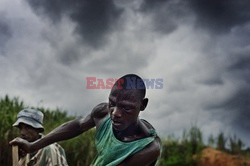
[[200, 48]]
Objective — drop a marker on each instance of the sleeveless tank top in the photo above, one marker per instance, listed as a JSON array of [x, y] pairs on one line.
[[111, 151]]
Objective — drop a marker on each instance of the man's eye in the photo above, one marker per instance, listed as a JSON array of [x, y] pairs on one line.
[[126, 109]]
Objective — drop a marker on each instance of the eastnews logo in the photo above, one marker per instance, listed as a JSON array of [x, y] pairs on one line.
[[98, 83]]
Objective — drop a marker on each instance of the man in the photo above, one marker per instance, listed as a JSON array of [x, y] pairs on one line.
[[29, 122], [121, 137]]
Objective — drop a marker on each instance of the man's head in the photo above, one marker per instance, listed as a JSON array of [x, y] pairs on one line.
[[29, 122], [126, 100]]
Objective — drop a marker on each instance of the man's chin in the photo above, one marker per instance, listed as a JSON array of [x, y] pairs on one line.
[[118, 128]]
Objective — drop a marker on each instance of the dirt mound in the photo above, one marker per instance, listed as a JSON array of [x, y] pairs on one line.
[[212, 157]]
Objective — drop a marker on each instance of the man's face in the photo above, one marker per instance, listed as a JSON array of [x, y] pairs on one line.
[[28, 133], [124, 108]]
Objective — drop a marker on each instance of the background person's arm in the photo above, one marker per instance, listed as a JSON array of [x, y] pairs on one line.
[[66, 131]]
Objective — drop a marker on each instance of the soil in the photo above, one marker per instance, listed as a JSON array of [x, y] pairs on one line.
[[212, 157]]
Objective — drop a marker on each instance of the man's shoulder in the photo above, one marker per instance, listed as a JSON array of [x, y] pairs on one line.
[[147, 156], [148, 128], [100, 111], [147, 124], [156, 144]]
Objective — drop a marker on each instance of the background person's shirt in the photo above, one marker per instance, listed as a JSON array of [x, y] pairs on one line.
[[52, 155]]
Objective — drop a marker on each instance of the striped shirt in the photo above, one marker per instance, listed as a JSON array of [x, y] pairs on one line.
[[52, 155]]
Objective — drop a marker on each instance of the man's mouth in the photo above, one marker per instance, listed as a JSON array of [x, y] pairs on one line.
[[116, 123]]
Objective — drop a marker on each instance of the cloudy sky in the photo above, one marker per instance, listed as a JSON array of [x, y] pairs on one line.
[[200, 48]]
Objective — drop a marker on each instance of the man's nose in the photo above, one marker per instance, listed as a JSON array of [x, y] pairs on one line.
[[117, 112], [22, 133]]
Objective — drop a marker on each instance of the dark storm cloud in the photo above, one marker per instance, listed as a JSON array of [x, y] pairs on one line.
[[241, 67], [236, 107], [165, 13], [5, 33], [94, 19], [220, 16], [69, 56], [240, 102], [213, 15]]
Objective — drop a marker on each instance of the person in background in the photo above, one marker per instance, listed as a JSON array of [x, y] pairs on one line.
[[30, 124]]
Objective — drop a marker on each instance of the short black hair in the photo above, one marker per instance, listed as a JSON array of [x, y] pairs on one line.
[[129, 82]]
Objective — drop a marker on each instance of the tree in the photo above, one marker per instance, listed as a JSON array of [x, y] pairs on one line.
[[196, 140], [221, 142], [235, 145]]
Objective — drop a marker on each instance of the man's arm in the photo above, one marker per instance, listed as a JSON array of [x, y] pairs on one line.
[[146, 156], [66, 131]]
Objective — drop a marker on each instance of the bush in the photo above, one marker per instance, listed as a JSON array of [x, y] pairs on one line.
[[180, 153]]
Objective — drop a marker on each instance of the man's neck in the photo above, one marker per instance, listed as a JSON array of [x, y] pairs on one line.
[[132, 133]]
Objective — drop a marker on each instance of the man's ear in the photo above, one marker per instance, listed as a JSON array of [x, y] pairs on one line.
[[144, 104]]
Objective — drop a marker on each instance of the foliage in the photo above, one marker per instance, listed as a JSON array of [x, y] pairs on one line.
[[236, 145], [8, 110], [81, 150], [221, 142], [180, 153]]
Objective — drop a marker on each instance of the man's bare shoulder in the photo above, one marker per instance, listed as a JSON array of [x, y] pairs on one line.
[[147, 156], [155, 146], [99, 112], [153, 150]]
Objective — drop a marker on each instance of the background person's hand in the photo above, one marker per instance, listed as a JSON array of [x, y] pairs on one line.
[[23, 145], [21, 153]]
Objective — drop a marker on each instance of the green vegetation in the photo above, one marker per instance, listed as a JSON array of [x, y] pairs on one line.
[[180, 153], [81, 150]]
